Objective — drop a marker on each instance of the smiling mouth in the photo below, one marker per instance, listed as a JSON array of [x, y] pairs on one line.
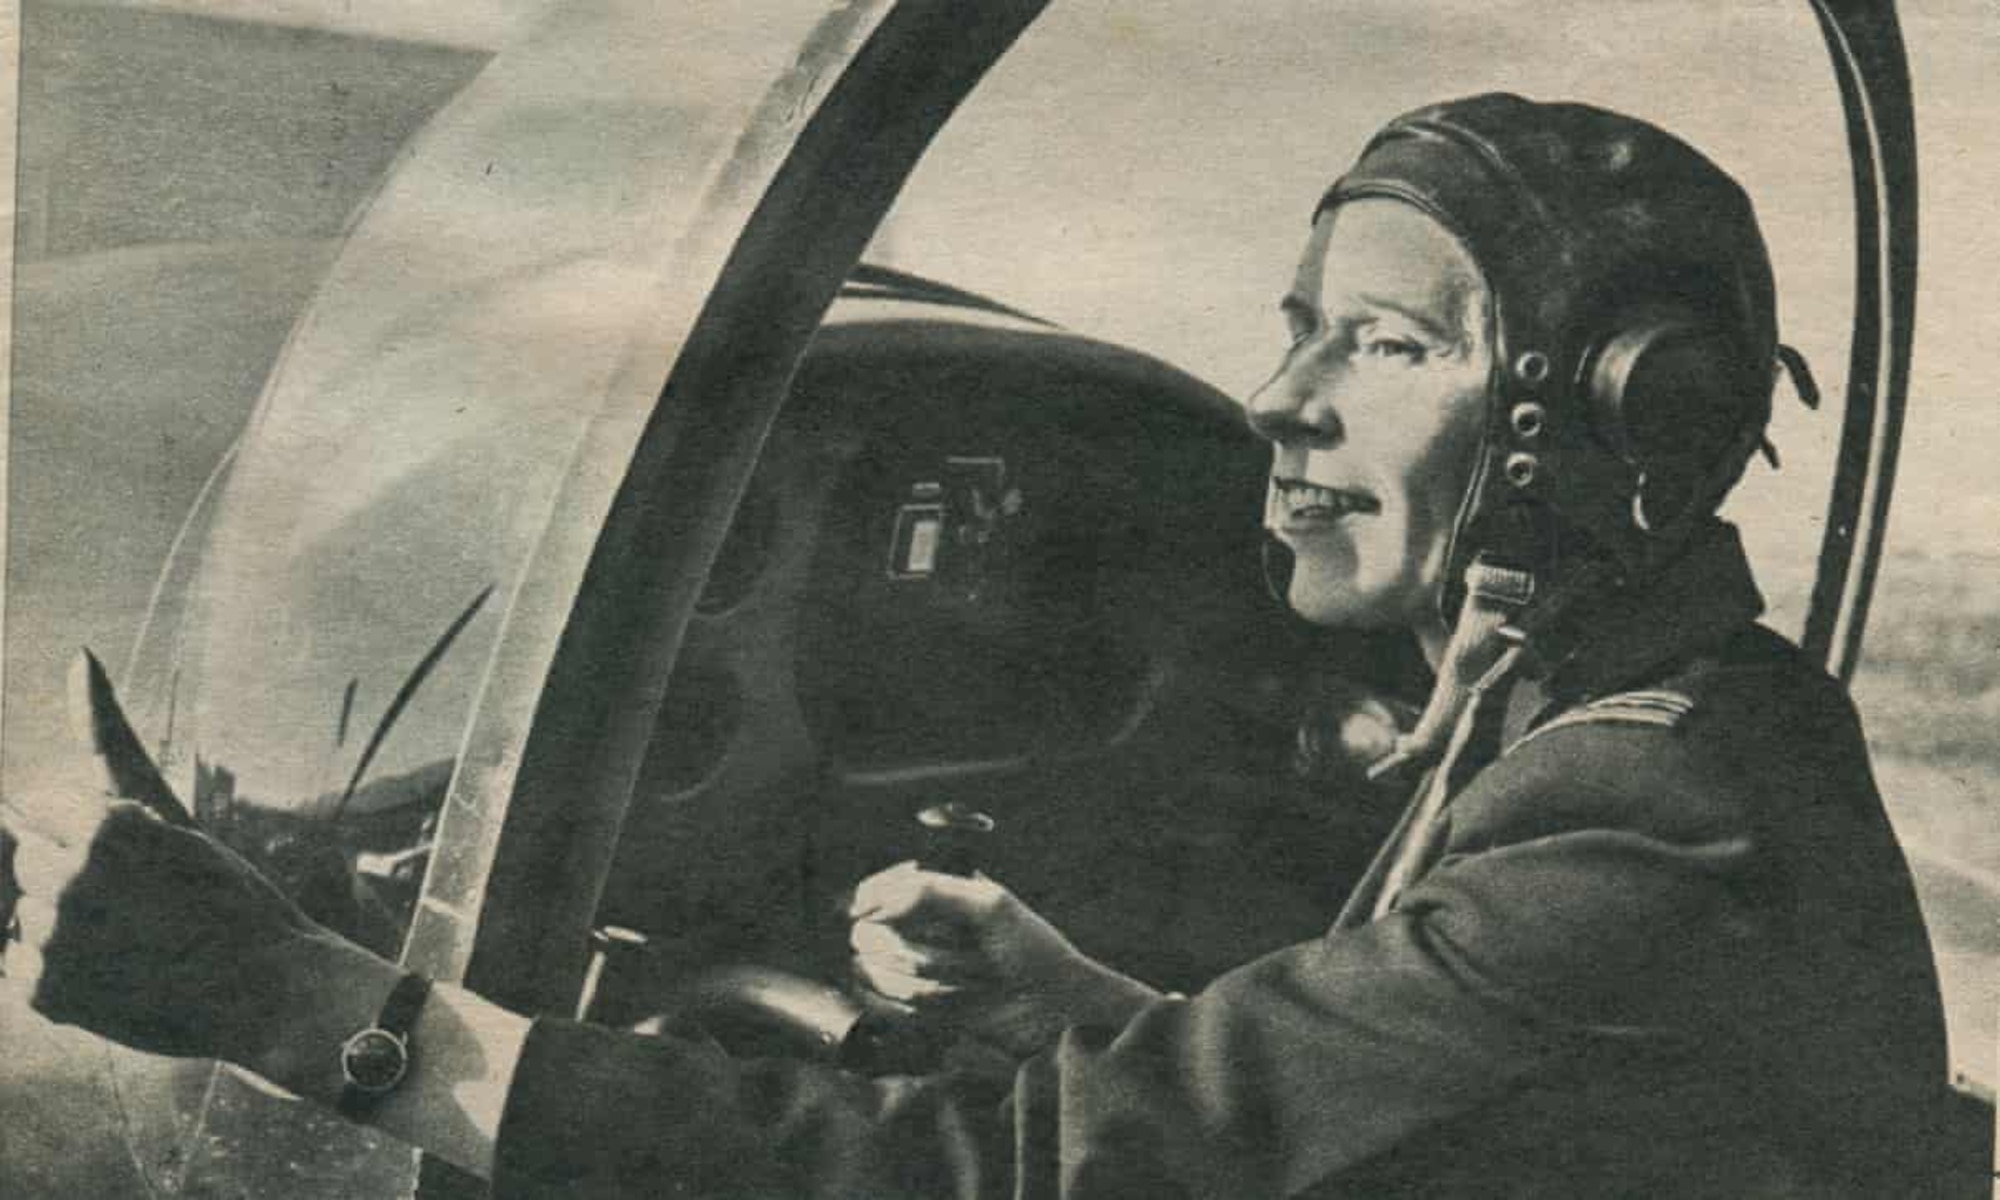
[[1308, 503]]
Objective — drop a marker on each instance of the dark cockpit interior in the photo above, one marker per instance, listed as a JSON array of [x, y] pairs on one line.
[[989, 563], [984, 566]]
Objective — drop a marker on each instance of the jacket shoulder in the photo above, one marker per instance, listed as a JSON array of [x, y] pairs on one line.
[[1756, 687], [1661, 707], [1717, 745]]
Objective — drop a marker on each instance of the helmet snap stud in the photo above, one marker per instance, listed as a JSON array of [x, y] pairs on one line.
[[1528, 419], [1521, 469], [1532, 366]]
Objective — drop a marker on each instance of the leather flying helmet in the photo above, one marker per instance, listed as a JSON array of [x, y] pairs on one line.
[[1634, 327]]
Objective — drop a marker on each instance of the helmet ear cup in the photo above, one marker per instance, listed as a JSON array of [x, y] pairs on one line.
[[1668, 394]]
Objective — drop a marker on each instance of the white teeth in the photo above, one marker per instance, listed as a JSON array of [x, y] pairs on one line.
[[1311, 500]]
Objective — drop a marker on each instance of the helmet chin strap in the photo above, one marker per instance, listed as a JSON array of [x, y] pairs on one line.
[[1483, 650]]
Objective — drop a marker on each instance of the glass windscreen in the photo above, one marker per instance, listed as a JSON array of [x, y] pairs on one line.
[[324, 300], [358, 560]]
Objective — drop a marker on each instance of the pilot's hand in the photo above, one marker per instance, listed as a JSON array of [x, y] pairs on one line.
[[967, 951], [149, 934]]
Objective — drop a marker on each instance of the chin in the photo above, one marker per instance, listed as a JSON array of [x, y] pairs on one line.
[[1336, 604]]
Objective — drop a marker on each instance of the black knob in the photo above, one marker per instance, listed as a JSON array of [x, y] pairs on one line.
[[954, 838]]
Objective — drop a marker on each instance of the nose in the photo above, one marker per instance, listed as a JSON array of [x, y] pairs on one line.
[[1296, 409]]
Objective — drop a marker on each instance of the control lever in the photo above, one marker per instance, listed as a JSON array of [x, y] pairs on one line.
[[954, 838], [889, 1041], [611, 946]]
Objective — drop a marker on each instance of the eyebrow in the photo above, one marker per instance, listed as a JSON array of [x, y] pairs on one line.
[[1456, 336], [1460, 335]]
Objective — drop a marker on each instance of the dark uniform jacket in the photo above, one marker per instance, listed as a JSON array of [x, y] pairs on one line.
[[1663, 944]]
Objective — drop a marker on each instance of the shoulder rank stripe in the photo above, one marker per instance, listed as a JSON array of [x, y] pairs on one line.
[[1662, 709], [1665, 701]]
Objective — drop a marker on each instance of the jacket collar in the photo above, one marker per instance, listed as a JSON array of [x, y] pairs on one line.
[[1704, 597]]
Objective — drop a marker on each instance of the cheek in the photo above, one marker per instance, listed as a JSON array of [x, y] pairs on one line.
[[1440, 468], [1435, 500], [1437, 472]]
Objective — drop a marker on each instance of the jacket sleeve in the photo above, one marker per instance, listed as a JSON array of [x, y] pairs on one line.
[[1591, 884]]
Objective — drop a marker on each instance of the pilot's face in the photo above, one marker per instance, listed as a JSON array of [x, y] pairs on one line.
[[1375, 413]]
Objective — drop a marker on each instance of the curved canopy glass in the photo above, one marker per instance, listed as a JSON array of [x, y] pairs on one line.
[[424, 479]]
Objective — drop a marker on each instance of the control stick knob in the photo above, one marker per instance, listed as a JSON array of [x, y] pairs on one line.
[[954, 838], [886, 1040]]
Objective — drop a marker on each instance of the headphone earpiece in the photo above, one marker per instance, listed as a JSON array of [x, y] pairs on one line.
[[1668, 393]]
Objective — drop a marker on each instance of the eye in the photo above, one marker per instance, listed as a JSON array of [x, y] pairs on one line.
[[1408, 349]]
